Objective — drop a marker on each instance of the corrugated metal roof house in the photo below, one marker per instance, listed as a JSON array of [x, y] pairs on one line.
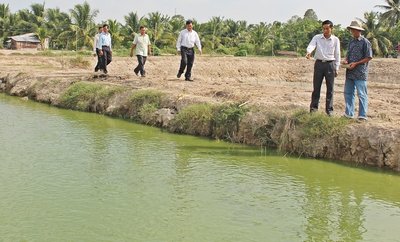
[[25, 41]]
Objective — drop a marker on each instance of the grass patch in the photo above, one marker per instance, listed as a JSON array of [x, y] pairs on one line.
[[85, 96], [227, 119], [195, 119], [318, 125], [143, 105], [79, 62]]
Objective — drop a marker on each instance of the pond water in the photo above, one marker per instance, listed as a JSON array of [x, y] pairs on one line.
[[72, 176]]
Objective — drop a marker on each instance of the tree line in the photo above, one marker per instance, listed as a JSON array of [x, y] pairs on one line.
[[74, 30]]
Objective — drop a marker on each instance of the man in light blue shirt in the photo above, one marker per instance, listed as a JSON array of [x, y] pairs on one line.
[[327, 62], [104, 45]]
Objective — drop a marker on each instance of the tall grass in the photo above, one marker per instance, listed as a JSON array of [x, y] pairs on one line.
[[86, 96]]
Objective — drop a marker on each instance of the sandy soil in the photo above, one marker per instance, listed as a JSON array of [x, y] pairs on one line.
[[285, 83]]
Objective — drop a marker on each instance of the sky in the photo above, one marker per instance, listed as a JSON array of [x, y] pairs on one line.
[[253, 11]]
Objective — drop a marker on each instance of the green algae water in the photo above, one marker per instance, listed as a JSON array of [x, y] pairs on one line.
[[71, 176]]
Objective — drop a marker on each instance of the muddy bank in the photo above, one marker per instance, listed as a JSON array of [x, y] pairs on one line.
[[291, 130]]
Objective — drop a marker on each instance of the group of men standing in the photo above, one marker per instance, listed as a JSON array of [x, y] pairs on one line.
[[327, 63], [141, 47]]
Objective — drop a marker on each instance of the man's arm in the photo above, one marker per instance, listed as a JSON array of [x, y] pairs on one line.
[[311, 47], [178, 42], [132, 48], [198, 43]]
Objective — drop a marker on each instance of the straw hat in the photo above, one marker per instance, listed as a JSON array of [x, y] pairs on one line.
[[355, 25]]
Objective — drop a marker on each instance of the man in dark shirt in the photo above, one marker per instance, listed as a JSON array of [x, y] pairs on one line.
[[358, 55]]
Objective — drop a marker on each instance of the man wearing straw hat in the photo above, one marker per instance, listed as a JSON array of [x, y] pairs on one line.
[[358, 55]]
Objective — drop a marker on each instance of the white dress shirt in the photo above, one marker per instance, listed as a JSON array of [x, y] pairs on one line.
[[104, 39], [188, 39], [96, 41], [326, 49]]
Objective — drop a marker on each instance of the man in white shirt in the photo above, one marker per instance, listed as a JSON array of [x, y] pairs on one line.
[[187, 39], [327, 62], [142, 45], [104, 45], [96, 50]]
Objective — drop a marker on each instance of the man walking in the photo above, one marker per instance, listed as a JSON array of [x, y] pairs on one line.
[[142, 45], [327, 62], [104, 45], [187, 39], [358, 55], [96, 50]]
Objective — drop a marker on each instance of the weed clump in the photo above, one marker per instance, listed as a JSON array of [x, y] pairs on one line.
[[86, 96]]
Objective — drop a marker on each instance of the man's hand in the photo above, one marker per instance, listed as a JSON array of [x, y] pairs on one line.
[[336, 73], [100, 53], [352, 65], [308, 56], [201, 52]]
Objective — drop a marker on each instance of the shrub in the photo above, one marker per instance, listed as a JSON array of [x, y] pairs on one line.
[[318, 125], [226, 120], [241, 53], [143, 101], [156, 51], [85, 96], [195, 119]]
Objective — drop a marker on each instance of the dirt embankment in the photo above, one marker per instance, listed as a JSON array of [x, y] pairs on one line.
[[283, 84]]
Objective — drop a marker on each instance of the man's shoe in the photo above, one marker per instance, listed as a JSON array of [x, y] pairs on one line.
[[179, 75], [96, 69], [105, 71], [136, 73], [330, 114], [362, 119], [313, 110], [188, 79]]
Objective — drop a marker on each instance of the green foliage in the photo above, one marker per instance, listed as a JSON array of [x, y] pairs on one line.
[[223, 50], [195, 119], [318, 125], [227, 118], [86, 96], [241, 53], [156, 51], [147, 113], [142, 101]]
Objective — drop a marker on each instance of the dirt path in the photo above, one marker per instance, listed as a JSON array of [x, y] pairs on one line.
[[285, 83]]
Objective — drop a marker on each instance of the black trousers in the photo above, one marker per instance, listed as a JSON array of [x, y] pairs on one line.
[[106, 58], [140, 67], [321, 70], [187, 60], [98, 65]]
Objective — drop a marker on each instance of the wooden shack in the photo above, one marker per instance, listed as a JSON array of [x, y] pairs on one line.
[[25, 41]]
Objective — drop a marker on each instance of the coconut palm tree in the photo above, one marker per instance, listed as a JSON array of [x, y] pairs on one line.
[[259, 36], [4, 19], [376, 34], [156, 23], [83, 24], [392, 11], [115, 31], [57, 22], [215, 28], [132, 23]]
